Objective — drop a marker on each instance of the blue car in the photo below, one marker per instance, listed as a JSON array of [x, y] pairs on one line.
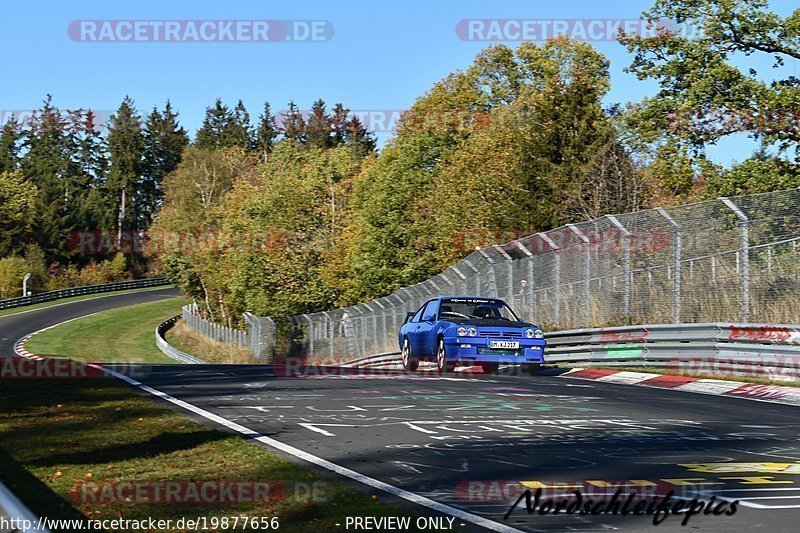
[[470, 330]]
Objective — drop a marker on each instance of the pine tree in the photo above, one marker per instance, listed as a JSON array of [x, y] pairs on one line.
[[126, 145], [339, 124], [10, 141], [215, 125], [91, 147], [240, 131], [267, 133], [223, 128], [318, 126], [293, 124], [92, 209], [50, 163], [358, 138], [164, 142]]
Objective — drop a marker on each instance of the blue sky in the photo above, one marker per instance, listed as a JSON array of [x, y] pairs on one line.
[[381, 57]]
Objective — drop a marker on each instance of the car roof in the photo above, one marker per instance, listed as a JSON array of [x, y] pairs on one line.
[[468, 296]]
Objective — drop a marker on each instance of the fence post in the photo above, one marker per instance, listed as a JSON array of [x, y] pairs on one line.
[[744, 225], [492, 273], [380, 339], [462, 277], [626, 264], [676, 260], [310, 335], [587, 271], [556, 276], [329, 331], [373, 331], [476, 273], [510, 263], [527, 306]]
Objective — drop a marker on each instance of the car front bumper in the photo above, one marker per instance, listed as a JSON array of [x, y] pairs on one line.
[[476, 350]]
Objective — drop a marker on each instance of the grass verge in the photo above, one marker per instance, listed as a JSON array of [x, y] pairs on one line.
[[701, 375], [186, 340], [61, 442], [119, 335], [15, 310]]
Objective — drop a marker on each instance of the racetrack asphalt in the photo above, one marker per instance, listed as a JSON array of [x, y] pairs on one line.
[[17, 325], [468, 440]]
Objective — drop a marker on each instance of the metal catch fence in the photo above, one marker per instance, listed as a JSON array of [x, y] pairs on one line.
[[726, 260], [211, 330]]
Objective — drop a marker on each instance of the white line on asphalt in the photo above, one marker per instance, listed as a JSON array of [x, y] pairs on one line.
[[328, 465], [313, 427]]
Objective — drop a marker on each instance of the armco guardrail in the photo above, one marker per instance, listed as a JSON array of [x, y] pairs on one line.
[[79, 291], [11, 508], [771, 350], [168, 349]]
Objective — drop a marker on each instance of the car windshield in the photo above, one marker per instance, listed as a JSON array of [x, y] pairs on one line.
[[475, 308]]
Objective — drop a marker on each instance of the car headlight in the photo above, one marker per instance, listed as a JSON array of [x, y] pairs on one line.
[[538, 334], [461, 332], [472, 332], [529, 333]]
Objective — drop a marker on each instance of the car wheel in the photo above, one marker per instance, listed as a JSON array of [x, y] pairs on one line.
[[441, 359], [531, 369], [410, 363], [489, 368]]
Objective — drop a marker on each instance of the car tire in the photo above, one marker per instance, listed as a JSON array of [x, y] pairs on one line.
[[441, 359], [490, 368], [410, 363], [531, 370]]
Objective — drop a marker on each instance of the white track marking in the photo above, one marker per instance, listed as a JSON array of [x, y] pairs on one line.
[[629, 378], [710, 386]]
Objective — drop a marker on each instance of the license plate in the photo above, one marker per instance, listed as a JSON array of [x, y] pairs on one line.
[[504, 345]]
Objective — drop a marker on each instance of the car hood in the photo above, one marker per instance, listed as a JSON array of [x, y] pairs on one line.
[[490, 323]]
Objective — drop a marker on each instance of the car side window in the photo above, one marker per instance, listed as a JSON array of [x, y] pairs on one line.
[[418, 316], [432, 308], [424, 310]]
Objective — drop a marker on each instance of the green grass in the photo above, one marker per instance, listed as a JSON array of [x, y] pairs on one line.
[[188, 341], [57, 437], [42, 305], [118, 335]]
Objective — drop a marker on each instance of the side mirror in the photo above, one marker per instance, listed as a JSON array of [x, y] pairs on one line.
[[520, 319], [409, 316], [428, 318]]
